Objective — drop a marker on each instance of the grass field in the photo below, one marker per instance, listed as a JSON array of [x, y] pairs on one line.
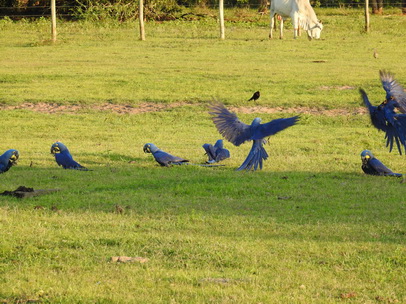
[[309, 228]]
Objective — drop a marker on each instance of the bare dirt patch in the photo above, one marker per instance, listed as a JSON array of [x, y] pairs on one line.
[[299, 110], [54, 108]]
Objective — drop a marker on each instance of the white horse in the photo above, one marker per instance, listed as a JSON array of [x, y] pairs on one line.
[[302, 15]]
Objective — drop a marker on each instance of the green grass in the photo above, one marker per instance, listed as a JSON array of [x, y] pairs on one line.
[[107, 63], [309, 228]]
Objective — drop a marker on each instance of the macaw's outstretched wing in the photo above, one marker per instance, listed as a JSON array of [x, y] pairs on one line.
[[222, 154], [274, 127], [210, 151], [393, 90], [381, 168], [229, 125]]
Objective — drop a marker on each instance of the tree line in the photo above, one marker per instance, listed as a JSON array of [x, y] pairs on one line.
[[156, 9]]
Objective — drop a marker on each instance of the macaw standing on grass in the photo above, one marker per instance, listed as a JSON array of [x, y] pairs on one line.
[[372, 165], [64, 158], [8, 159], [163, 158]]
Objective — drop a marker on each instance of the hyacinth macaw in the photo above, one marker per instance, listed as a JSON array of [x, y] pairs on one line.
[[217, 152], [64, 158], [8, 159], [163, 158], [237, 132], [372, 165], [384, 117]]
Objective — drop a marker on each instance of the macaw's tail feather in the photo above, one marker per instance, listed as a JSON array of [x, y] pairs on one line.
[[201, 165], [397, 175], [255, 158], [80, 169]]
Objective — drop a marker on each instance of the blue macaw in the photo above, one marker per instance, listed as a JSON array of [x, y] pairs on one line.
[[372, 165], [64, 158], [8, 159], [163, 158], [237, 132], [217, 152], [384, 117]]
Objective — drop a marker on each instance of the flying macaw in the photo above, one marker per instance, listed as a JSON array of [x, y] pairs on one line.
[[163, 158], [384, 117], [64, 158], [217, 152], [372, 165], [8, 159], [237, 132]]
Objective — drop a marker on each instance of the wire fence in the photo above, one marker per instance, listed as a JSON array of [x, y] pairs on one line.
[[68, 11]]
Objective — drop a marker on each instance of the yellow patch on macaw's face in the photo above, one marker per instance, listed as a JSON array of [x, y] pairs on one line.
[[367, 156], [147, 149], [55, 149]]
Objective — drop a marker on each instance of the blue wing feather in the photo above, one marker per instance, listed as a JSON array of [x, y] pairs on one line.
[[228, 124], [210, 151], [393, 89], [165, 159], [66, 161], [380, 168], [274, 126]]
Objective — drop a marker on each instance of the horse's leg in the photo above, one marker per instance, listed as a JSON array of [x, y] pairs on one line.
[[295, 21], [272, 24], [281, 28]]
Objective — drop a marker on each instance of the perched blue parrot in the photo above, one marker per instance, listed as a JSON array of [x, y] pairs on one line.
[[217, 152], [237, 132], [64, 158], [8, 159], [372, 165], [384, 117], [163, 158]]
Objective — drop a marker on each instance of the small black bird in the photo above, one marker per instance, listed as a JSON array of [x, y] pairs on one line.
[[255, 96], [372, 166]]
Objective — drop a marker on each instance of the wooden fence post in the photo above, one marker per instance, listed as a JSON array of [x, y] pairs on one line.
[[141, 17], [221, 17], [53, 20], [367, 16]]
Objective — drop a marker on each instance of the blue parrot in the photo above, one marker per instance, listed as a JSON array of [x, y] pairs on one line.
[[163, 158], [384, 117], [372, 165], [64, 158], [237, 132], [217, 152], [8, 159]]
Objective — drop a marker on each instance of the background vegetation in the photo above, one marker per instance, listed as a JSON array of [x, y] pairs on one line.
[[309, 228]]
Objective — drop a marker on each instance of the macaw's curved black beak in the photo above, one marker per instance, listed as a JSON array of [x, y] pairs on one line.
[[146, 149], [55, 150], [14, 158]]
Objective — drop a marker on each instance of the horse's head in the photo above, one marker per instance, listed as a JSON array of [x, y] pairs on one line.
[[315, 30]]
